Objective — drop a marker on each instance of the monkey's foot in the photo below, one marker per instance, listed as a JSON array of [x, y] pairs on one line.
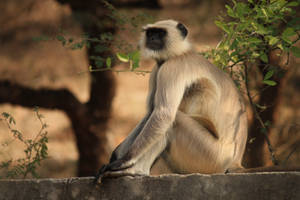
[[234, 170], [99, 175], [98, 179], [116, 169]]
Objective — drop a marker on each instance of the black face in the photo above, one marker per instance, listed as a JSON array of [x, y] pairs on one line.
[[155, 38]]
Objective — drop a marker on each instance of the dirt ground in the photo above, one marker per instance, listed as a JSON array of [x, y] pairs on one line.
[[49, 64]]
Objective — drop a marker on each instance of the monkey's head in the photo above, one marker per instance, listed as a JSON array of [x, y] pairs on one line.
[[164, 39]]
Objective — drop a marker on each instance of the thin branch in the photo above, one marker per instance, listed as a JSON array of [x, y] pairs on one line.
[[236, 62], [288, 157], [257, 93], [117, 71], [273, 157], [43, 125], [295, 41]]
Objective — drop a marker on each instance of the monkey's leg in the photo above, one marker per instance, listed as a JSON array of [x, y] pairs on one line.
[[193, 148], [122, 148], [147, 147], [141, 166]]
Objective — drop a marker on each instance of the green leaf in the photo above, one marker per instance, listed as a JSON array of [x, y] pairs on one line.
[[295, 23], [267, 123], [60, 38], [265, 13], [287, 33], [77, 45], [99, 63], [123, 57], [100, 48], [292, 4], [87, 44], [12, 120], [5, 115], [273, 40], [230, 11], [223, 26], [262, 30], [264, 57], [269, 82], [286, 39], [261, 107], [136, 60], [108, 62], [241, 9], [106, 36], [254, 40], [296, 51], [136, 56], [280, 46], [135, 64], [269, 74]]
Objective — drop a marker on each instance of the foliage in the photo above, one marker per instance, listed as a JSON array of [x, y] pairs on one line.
[[124, 22], [35, 151], [103, 41], [252, 30]]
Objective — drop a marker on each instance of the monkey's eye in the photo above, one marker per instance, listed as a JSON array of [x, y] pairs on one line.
[[158, 32], [162, 33]]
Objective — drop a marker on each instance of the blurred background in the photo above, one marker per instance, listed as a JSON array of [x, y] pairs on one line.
[[88, 114]]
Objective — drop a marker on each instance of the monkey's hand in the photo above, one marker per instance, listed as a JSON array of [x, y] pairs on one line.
[[118, 168]]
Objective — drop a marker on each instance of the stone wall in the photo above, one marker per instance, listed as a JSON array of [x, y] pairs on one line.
[[256, 186]]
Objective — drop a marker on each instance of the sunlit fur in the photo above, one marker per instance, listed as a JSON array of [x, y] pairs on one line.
[[172, 48], [195, 120]]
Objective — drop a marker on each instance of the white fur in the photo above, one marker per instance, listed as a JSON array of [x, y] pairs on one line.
[[195, 121], [175, 44]]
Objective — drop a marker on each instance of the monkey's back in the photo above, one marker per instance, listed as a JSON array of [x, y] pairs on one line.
[[212, 95], [212, 100]]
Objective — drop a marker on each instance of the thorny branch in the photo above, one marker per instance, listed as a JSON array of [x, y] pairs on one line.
[[273, 157]]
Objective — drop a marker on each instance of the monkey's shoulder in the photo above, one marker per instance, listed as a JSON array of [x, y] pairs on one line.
[[188, 60], [192, 65]]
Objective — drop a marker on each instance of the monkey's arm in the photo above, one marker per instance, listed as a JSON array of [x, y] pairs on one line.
[[153, 137], [122, 148]]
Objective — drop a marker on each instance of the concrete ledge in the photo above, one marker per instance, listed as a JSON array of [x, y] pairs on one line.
[[269, 186]]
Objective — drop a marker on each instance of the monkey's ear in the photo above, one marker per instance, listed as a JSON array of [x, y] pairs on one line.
[[182, 29]]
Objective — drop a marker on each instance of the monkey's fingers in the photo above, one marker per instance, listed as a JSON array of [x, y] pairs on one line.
[[100, 173], [116, 174], [118, 165], [114, 169]]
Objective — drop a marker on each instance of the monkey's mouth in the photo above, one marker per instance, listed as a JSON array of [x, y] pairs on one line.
[[153, 45]]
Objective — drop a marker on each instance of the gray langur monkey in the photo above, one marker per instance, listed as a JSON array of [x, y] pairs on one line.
[[196, 119]]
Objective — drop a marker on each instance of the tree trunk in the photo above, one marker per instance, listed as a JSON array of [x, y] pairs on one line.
[[255, 151], [91, 132]]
